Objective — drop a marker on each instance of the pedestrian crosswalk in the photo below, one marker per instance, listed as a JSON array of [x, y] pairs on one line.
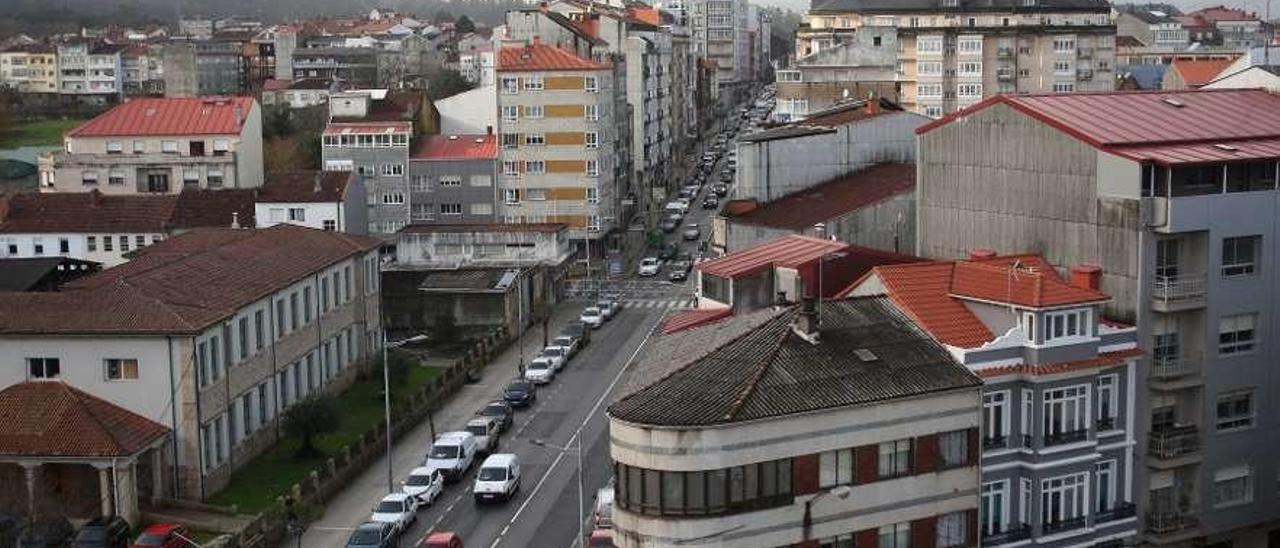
[[661, 303]]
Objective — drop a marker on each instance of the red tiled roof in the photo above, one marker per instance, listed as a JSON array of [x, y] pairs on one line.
[[183, 284], [53, 419], [273, 84], [1145, 124], [93, 212], [1105, 359], [849, 113], [690, 319], [788, 251], [833, 199], [540, 57], [920, 290], [456, 147], [170, 116], [305, 186], [1223, 13], [1198, 72]]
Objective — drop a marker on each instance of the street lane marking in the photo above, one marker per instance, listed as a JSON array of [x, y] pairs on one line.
[[443, 515], [560, 454]]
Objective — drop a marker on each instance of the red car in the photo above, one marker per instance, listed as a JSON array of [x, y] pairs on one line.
[[163, 535], [442, 540]]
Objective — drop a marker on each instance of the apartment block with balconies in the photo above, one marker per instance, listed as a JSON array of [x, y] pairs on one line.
[[90, 71], [1173, 195]]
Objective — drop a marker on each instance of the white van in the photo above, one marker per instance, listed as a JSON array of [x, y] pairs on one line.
[[452, 454], [499, 478]]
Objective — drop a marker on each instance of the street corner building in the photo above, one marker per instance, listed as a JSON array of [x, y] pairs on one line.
[[188, 353], [800, 425]]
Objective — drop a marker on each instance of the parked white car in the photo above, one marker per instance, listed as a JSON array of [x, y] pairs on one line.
[[592, 317], [556, 355], [649, 266], [539, 371], [485, 429], [569, 344], [498, 479], [398, 509], [453, 454], [423, 484]]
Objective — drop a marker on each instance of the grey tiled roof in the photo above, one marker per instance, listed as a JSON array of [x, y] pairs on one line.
[[770, 371]]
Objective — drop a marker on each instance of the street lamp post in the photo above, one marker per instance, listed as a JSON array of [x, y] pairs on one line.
[[840, 491], [578, 450], [386, 392]]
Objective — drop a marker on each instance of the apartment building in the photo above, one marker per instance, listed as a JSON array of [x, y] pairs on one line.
[[161, 145], [143, 66], [1172, 195], [325, 200], [720, 35], [362, 67], [199, 67], [106, 229], [952, 55], [1153, 26], [1058, 390], [29, 69], [1232, 28], [369, 132], [285, 312], [838, 425], [556, 127], [454, 179], [90, 71]]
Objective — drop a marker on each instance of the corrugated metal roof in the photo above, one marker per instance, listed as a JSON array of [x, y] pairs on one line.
[[788, 251], [456, 147], [541, 57], [833, 199], [694, 318], [771, 371], [170, 116]]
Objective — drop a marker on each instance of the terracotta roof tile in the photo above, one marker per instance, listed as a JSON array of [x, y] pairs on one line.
[[1198, 72], [541, 57], [694, 318], [456, 147], [170, 116], [787, 251], [93, 212], [305, 186], [1105, 359], [53, 419], [1020, 284]]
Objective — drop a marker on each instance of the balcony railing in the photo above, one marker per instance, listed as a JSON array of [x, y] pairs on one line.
[[1106, 423], [1084, 74], [1004, 52], [1174, 442], [1175, 290], [1004, 75], [1172, 367], [1027, 440], [996, 442], [1119, 511], [1066, 437], [1064, 525], [1167, 522], [1014, 533]]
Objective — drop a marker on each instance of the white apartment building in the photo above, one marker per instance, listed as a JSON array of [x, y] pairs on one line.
[[161, 146], [29, 69], [90, 70]]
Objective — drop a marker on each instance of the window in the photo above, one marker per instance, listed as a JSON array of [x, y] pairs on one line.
[[590, 84], [534, 111], [1240, 255], [451, 209], [895, 458], [306, 305], [215, 178], [220, 147], [297, 214], [263, 411], [108, 243], [242, 337], [393, 198], [139, 147], [838, 541], [593, 223], [897, 535], [702, 493], [1250, 176], [994, 507], [330, 225], [392, 170], [1072, 323], [1024, 498], [89, 177], [1062, 499], [592, 139], [1107, 402], [535, 139], [536, 167], [1105, 486], [43, 368], [929, 68], [969, 90], [1237, 334], [139, 241], [533, 83], [511, 195], [929, 44], [511, 168], [535, 194], [91, 243], [450, 180], [259, 329], [592, 170], [1064, 87], [1062, 67], [510, 85], [115, 177], [954, 447], [969, 44], [169, 147], [995, 419], [1232, 486], [933, 111], [510, 113], [246, 414], [64, 246], [191, 177], [835, 468], [1066, 413], [1235, 411], [970, 68], [124, 243], [509, 140], [293, 311], [952, 530], [1064, 44], [591, 113]]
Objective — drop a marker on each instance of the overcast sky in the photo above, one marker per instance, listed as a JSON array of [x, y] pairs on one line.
[[1260, 6]]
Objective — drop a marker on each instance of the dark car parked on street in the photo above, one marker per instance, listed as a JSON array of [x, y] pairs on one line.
[[103, 532], [520, 394], [373, 534], [500, 410]]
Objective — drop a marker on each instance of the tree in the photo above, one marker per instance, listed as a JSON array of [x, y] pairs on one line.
[[464, 24], [311, 417], [443, 83], [279, 121], [446, 328], [284, 154]]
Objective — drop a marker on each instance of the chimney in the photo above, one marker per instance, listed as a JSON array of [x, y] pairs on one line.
[[806, 325], [1086, 276], [315, 188], [235, 220], [488, 130], [979, 253], [239, 115], [873, 104]]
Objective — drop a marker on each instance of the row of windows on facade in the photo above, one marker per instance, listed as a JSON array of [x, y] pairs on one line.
[[590, 139], [1240, 256], [249, 411], [512, 113], [511, 85], [948, 20], [428, 183], [1067, 413], [428, 211], [214, 177], [221, 147], [367, 140], [1203, 179], [1066, 501], [246, 336], [950, 531], [113, 369], [138, 241], [772, 484], [519, 168], [972, 45], [511, 196]]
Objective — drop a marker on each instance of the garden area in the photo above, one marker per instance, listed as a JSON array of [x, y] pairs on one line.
[[36, 133], [318, 428]]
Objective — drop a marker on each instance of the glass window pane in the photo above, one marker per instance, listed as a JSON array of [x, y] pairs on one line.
[[736, 481], [673, 492], [751, 475], [651, 491], [695, 492], [634, 487], [716, 491], [784, 476], [768, 479]]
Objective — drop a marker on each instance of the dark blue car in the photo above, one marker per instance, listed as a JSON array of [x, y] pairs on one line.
[[372, 534], [520, 394]]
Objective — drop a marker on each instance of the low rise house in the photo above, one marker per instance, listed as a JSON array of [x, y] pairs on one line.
[[834, 425], [307, 92], [327, 200], [212, 334], [161, 146], [1184, 73]]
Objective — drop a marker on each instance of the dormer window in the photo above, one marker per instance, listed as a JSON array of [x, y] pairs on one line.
[[1069, 323]]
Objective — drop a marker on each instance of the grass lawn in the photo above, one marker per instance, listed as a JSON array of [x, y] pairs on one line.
[[257, 485], [39, 133]]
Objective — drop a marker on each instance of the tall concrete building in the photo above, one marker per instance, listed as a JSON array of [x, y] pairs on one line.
[[952, 54], [556, 126], [1173, 196], [720, 35], [90, 71]]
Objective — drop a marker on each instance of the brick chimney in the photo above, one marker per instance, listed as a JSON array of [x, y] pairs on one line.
[[979, 254], [1086, 276], [872, 107], [4, 208], [806, 324]]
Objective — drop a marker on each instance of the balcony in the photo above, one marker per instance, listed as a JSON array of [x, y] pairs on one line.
[[1085, 53], [1084, 74], [1174, 446], [1171, 522], [1004, 75], [997, 442], [1121, 510], [1004, 52], [1175, 293], [1014, 533], [1176, 372], [1066, 437], [1064, 525], [1105, 423]]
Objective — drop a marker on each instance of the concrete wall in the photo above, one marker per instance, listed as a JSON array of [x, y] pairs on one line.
[[889, 225], [478, 193], [472, 112], [77, 245]]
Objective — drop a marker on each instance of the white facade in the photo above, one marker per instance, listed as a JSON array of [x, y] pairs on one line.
[[320, 215], [83, 69], [108, 249], [473, 112]]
